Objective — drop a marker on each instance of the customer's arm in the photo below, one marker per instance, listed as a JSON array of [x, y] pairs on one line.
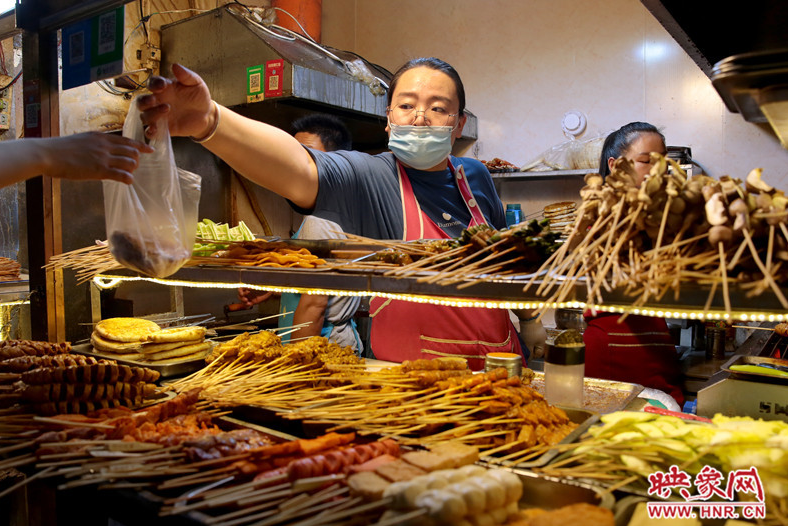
[[84, 156]]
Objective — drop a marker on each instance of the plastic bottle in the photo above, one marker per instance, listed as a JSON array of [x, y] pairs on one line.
[[514, 214], [564, 372]]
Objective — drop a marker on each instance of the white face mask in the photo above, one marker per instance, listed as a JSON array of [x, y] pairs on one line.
[[420, 147]]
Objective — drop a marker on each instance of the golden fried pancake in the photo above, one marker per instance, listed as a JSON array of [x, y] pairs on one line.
[[102, 345], [159, 347], [126, 329], [196, 350], [177, 334]]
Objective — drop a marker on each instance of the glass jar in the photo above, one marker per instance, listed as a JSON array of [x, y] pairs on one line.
[[513, 363]]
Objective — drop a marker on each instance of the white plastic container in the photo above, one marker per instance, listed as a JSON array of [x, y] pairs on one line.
[[564, 372]]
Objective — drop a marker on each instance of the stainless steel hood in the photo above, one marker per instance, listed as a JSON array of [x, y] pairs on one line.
[[221, 44], [742, 48]]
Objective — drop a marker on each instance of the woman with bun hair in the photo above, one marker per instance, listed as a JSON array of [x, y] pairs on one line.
[[637, 349], [635, 141]]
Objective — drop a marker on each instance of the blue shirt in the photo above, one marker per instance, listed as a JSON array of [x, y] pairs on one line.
[[361, 193]]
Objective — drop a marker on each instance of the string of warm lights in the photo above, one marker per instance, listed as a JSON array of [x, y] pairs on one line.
[[105, 281]]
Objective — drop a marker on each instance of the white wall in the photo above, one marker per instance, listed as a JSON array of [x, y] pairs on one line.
[[526, 62]]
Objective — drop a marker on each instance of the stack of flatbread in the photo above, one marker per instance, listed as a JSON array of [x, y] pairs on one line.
[[561, 216], [9, 269], [141, 340]]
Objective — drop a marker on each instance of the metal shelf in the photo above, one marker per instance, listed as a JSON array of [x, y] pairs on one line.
[[538, 176], [495, 293]]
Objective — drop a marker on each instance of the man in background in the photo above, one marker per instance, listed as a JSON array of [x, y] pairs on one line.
[[328, 316]]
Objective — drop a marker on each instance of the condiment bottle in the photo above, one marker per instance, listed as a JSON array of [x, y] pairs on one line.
[[513, 363], [564, 370], [514, 214]]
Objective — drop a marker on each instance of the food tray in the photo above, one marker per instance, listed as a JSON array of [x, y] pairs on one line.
[[753, 375], [599, 395], [541, 491], [165, 369]]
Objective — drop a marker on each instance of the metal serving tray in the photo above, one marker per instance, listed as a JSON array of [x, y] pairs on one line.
[[599, 395], [165, 369], [541, 491], [752, 373]]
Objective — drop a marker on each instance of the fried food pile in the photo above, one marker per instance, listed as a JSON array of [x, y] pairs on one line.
[[141, 340], [45, 379], [497, 164], [261, 253], [266, 346], [9, 269]]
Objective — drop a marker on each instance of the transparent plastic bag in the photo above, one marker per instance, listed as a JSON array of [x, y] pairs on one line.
[[574, 154], [150, 223]]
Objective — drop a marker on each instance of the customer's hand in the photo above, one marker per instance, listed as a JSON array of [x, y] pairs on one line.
[[89, 155]]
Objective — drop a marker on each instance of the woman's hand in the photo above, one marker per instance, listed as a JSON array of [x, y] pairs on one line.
[[250, 297], [184, 101]]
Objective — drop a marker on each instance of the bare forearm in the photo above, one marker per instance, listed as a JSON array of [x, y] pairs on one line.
[[79, 157], [267, 156], [21, 161], [310, 309]]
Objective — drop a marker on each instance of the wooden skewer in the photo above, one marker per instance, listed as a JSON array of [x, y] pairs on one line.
[[752, 328], [69, 423], [26, 480], [343, 514]]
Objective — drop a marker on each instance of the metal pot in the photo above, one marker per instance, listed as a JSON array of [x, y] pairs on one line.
[[570, 319]]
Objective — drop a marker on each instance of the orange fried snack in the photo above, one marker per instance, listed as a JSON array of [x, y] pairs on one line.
[[258, 255]]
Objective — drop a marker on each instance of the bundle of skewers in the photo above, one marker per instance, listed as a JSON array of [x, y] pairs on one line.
[[180, 445], [45, 379], [418, 402], [429, 401], [479, 253], [256, 369], [178, 453], [9, 269], [669, 231], [88, 262]]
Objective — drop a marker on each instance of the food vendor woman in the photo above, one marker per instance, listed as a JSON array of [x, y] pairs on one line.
[[417, 190], [637, 349]]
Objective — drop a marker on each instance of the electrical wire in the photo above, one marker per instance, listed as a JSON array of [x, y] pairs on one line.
[[306, 33], [306, 38], [142, 17], [3, 88], [242, 5]]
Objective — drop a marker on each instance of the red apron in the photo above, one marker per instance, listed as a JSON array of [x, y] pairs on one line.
[[403, 330], [638, 350]]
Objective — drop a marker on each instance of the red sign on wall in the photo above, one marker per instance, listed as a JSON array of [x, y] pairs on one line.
[[273, 77]]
